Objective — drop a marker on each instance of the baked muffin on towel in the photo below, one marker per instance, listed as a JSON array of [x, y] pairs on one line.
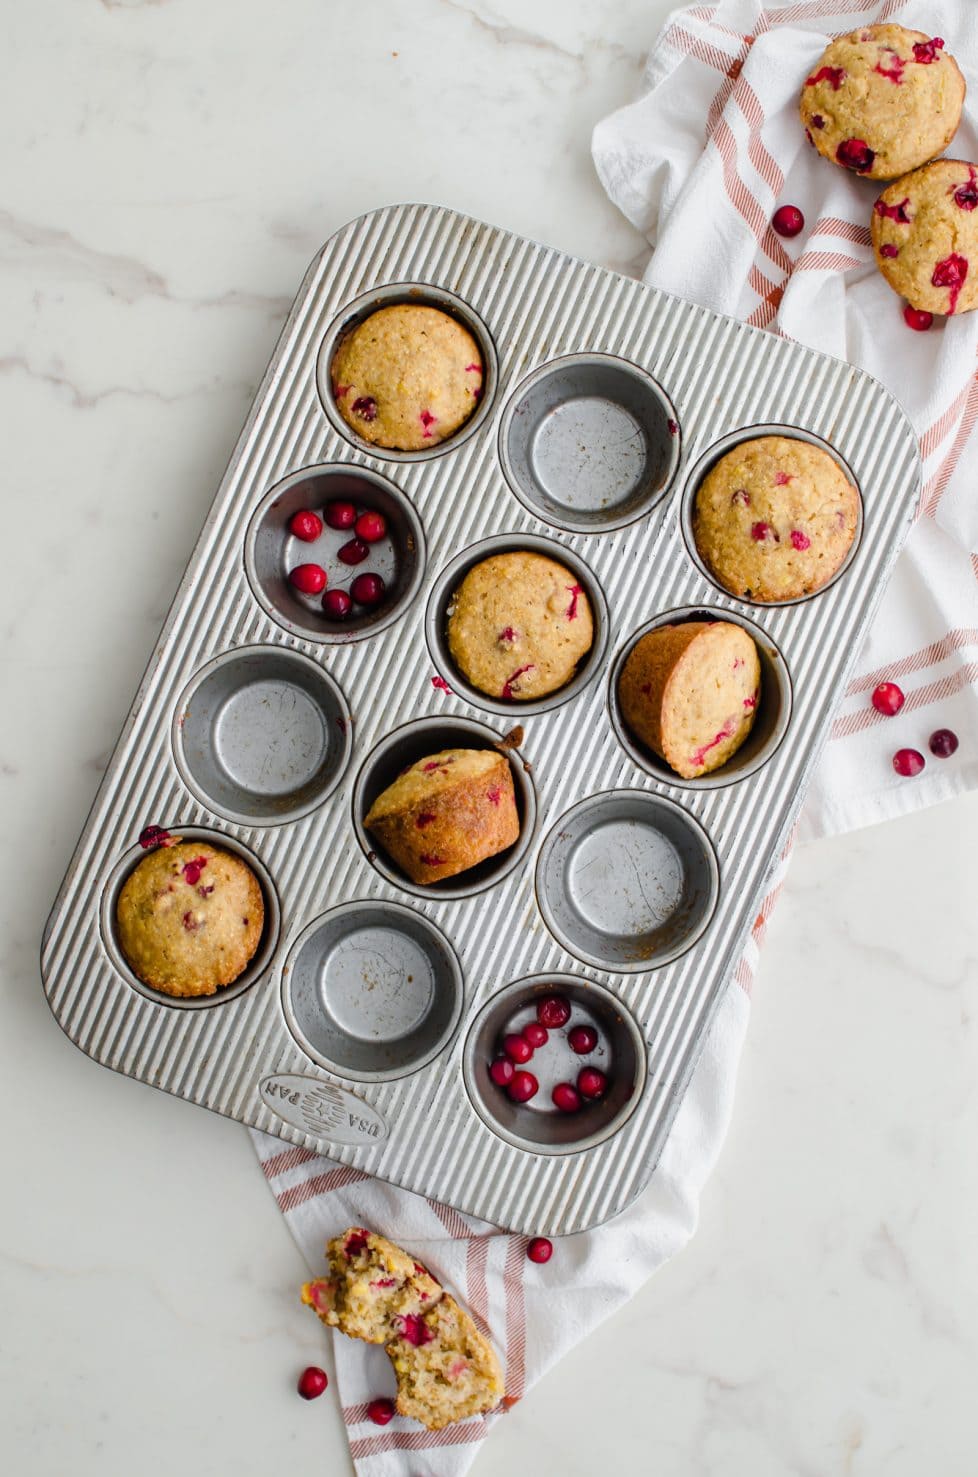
[[518, 625], [883, 100], [407, 377], [446, 813], [690, 693], [775, 518], [446, 1369], [925, 236], [190, 918], [371, 1282]]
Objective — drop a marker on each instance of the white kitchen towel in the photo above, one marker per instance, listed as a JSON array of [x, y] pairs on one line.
[[699, 165]]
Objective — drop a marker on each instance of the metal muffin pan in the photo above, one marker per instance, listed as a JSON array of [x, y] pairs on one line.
[[363, 1027]]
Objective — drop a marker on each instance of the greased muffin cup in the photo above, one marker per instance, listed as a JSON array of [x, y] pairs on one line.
[[364, 1027], [589, 443]]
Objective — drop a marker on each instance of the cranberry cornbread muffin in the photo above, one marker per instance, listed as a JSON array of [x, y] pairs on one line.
[[446, 813], [518, 625], [883, 100], [407, 377], [775, 518], [371, 1283], [190, 918], [925, 236], [690, 693], [446, 1371]]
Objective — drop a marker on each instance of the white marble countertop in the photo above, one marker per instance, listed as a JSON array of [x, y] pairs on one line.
[[168, 169]]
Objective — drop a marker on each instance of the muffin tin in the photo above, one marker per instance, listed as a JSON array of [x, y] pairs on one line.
[[364, 1025]]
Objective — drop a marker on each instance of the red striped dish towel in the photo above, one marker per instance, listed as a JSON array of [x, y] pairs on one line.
[[699, 164]]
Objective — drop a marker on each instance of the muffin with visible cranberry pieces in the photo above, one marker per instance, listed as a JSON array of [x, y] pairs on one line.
[[446, 1371], [518, 625], [775, 518], [371, 1283], [407, 377], [446, 813], [925, 236], [690, 693], [882, 100], [190, 918]]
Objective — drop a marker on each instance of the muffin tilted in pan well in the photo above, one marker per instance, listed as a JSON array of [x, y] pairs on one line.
[[690, 692], [446, 813]]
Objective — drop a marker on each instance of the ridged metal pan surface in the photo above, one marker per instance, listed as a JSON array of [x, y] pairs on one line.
[[411, 1106]]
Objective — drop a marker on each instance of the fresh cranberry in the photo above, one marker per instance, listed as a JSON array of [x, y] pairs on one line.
[[365, 406], [368, 589], [553, 1011], [535, 1034], [855, 153], [305, 525], [761, 532], [566, 1098], [817, 122], [582, 1039], [371, 527], [950, 273], [799, 540], [887, 699], [502, 1071], [355, 552], [309, 579], [889, 250], [591, 1083], [337, 605], [381, 1412], [440, 685], [925, 52], [788, 220], [312, 1383], [517, 1048], [427, 420], [908, 762], [917, 318], [540, 1250], [943, 743], [340, 515], [523, 1086]]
